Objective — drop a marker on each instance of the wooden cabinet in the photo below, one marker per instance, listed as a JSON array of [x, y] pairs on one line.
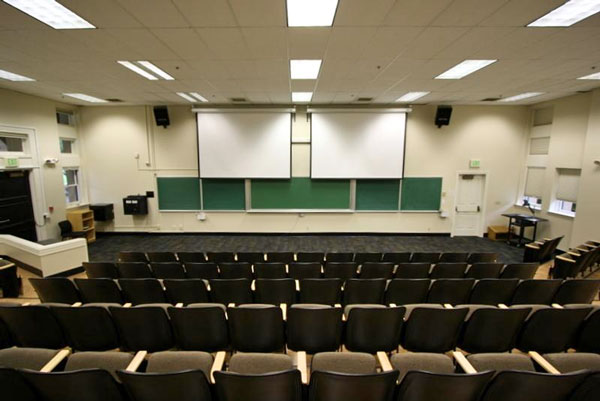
[[83, 220]]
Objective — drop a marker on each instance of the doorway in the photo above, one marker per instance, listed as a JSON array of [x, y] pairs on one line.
[[16, 208], [469, 206]]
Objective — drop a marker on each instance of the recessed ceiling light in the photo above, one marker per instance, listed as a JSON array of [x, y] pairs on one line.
[[186, 97], [87, 98], [311, 12], [138, 70], [412, 96], [13, 77], [465, 68], [522, 96], [198, 96], [52, 13], [568, 14], [591, 76], [305, 69], [156, 70], [301, 96]]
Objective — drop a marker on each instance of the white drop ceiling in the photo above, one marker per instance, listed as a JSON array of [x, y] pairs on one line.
[[241, 48]]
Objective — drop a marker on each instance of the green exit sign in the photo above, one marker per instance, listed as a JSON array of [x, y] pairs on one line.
[[474, 163], [11, 162]]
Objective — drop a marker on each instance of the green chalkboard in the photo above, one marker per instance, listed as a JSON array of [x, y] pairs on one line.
[[421, 193], [377, 194], [178, 193], [223, 194], [300, 193]]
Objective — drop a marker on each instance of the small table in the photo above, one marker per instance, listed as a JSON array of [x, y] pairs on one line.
[[522, 221], [9, 281]]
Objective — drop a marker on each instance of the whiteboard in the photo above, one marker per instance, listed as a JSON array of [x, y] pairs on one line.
[[244, 144], [357, 145]]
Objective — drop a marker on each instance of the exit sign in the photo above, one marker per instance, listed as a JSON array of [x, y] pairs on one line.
[[474, 163], [11, 162]]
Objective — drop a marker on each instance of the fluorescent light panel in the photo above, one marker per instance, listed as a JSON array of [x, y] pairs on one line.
[[568, 14], [301, 96], [138, 70], [52, 13], [85, 97], [11, 76], [305, 69], [465, 68], [198, 96], [311, 12], [522, 96], [156, 70], [412, 96], [187, 97], [591, 76]]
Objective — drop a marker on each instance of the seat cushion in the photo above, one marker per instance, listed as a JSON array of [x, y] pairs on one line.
[[500, 362], [428, 362], [207, 305], [348, 308], [570, 362], [26, 358], [110, 361], [411, 307], [344, 362], [258, 363], [474, 307], [177, 361], [310, 306]]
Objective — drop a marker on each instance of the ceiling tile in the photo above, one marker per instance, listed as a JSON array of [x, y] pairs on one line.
[[467, 12], [225, 43], [155, 14], [357, 12], [259, 12], [415, 12], [206, 13], [265, 43], [308, 43]]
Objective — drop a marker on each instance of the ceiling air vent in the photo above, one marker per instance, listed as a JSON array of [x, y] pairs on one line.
[[113, 100], [490, 99], [364, 99], [239, 99]]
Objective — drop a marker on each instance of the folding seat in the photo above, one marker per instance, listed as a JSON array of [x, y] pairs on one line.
[[191, 257], [482, 257], [364, 291], [100, 269], [15, 387], [302, 270], [280, 257], [5, 340], [171, 375], [33, 326], [396, 257], [204, 270], [312, 257], [450, 291], [26, 358], [127, 257], [428, 386], [490, 329], [541, 251], [143, 328], [87, 328], [220, 257], [99, 290], [493, 291], [57, 289], [341, 270], [250, 257], [339, 257], [588, 390], [314, 328], [407, 291], [376, 270], [200, 327], [231, 271], [373, 328], [186, 291], [142, 291], [168, 270], [413, 270], [406, 362], [454, 257], [275, 291], [425, 257], [589, 333], [256, 328], [364, 257], [523, 271], [134, 270], [535, 292], [327, 291], [571, 264], [448, 270], [484, 270], [549, 330], [270, 270], [582, 291], [566, 362], [235, 291], [161, 257], [432, 328]]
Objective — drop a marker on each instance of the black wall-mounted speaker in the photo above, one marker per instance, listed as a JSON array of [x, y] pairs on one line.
[[161, 115], [442, 115]]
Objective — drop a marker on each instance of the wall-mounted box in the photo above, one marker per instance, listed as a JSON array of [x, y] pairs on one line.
[[135, 204], [103, 211]]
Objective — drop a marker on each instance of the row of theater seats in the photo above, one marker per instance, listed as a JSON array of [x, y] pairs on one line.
[[321, 291], [301, 270], [578, 261], [332, 376], [309, 328]]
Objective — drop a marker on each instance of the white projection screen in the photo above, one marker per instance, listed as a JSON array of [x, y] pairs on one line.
[[244, 144], [357, 144]]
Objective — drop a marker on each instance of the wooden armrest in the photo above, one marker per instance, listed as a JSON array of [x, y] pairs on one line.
[[582, 249], [231, 305], [547, 366], [463, 362], [302, 366], [297, 285], [384, 362], [217, 364], [253, 285], [76, 304], [547, 239], [26, 304], [531, 246], [55, 361], [565, 259], [283, 311], [502, 306], [179, 305], [557, 306], [136, 361], [392, 305], [338, 305], [127, 305], [448, 306], [574, 253]]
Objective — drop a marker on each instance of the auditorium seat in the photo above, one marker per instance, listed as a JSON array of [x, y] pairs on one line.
[[523, 271], [484, 270], [321, 291], [275, 291], [99, 290], [161, 257], [134, 270], [448, 270], [168, 270], [220, 257], [369, 270], [396, 257], [250, 257], [493, 291], [302, 270], [454, 257], [27, 323], [236, 291], [579, 291], [200, 327], [425, 257], [450, 291], [431, 328], [100, 270], [127, 256], [142, 291], [363, 257], [280, 257], [373, 328], [87, 328], [270, 270], [406, 362], [407, 291], [203, 270], [363, 291], [539, 292], [339, 257], [25, 358], [191, 257], [566, 362], [314, 328], [186, 291], [143, 328], [341, 270], [56, 289], [256, 328], [482, 257], [589, 333], [316, 257], [234, 270], [413, 270]]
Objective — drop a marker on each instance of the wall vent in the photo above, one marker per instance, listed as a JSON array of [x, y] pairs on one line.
[[364, 99], [113, 100], [490, 99], [238, 99], [65, 118]]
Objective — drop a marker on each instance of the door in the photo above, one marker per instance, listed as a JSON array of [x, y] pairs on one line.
[[468, 218], [16, 209]]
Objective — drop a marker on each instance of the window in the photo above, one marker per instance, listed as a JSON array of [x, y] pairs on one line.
[[567, 187], [9, 143], [534, 187], [71, 183], [67, 145]]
